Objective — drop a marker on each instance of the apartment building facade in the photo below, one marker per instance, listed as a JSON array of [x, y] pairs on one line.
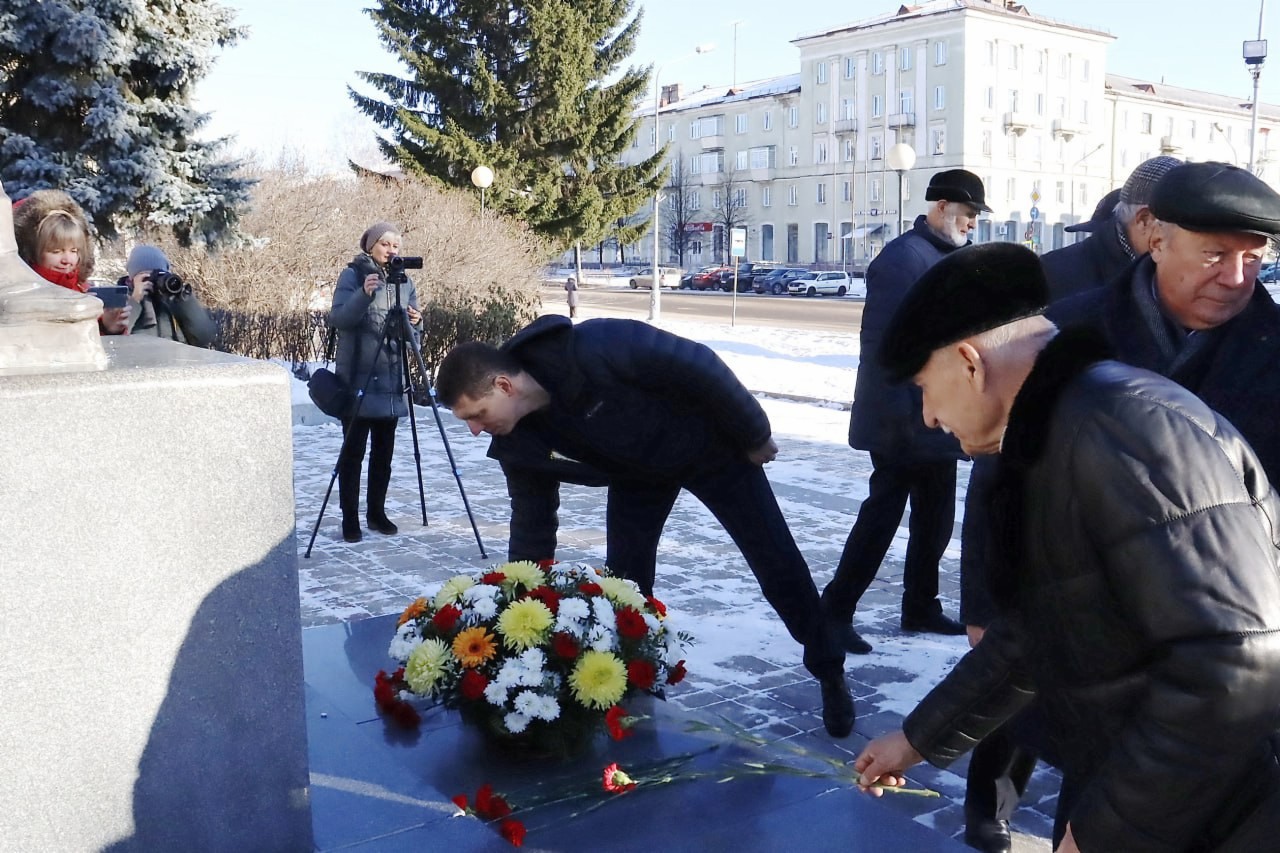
[[803, 163]]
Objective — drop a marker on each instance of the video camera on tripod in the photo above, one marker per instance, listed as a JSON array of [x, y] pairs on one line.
[[397, 265]]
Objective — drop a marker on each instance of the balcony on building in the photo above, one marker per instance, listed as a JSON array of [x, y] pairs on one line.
[[767, 173], [1019, 123], [901, 120], [1066, 129], [1172, 143], [845, 125], [711, 179], [713, 141]]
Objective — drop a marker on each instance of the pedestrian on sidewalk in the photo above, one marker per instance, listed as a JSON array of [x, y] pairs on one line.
[[908, 461], [1137, 572], [571, 296], [655, 413]]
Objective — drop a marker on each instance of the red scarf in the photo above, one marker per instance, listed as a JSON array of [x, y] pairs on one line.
[[69, 280]]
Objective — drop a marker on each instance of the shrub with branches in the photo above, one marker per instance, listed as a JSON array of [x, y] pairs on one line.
[[270, 290]]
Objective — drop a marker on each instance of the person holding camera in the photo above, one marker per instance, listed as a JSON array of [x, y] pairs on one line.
[[369, 361], [162, 304]]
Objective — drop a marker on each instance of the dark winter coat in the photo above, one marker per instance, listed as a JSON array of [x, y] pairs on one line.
[[174, 318], [1140, 563], [633, 401], [1090, 263], [362, 353], [887, 418]]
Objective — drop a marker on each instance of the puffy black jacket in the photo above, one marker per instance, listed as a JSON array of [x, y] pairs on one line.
[[633, 401], [1143, 576], [1083, 266], [886, 417]]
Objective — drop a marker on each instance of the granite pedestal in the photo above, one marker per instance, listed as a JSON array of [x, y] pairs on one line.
[[377, 787], [152, 674]]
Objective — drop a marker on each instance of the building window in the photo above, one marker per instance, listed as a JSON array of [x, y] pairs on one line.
[[820, 72], [986, 143], [1013, 100], [877, 106], [1042, 57], [793, 117], [793, 196], [846, 109], [1039, 103], [846, 191], [877, 63], [1191, 129], [1084, 193], [695, 200], [766, 120], [820, 112], [635, 140], [850, 64], [713, 161], [761, 157], [695, 164], [740, 123], [904, 59], [793, 155], [821, 197], [766, 242], [1084, 70], [1064, 65], [1061, 108], [939, 53], [939, 97], [904, 101], [990, 97], [1011, 189], [850, 150], [1060, 192], [1015, 55], [740, 197], [819, 151], [938, 140], [1084, 112], [653, 132], [715, 199], [1011, 146], [876, 145], [990, 52], [740, 160], [671, 133], [766, 196], [873, 190]]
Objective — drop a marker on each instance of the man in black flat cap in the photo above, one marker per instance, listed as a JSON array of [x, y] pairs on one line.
[[1137, 572], [908, 461]]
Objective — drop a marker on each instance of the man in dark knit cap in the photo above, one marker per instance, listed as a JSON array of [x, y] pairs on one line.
[[1136, 569], [908, 461]]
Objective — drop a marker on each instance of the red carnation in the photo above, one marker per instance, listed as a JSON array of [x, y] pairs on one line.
[[631, 624], [473, 684], [461, 801], [546, 564], [446, 617], [405, 714], [513, 831], [492, 578], [383, 692], [618, 723], [588, 588], [677, 673], [489, 805], [564, 645], [547, 596], [641, 674], [616, 781], [658, 606]]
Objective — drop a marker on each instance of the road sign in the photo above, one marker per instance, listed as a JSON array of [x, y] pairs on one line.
[[1035, 213], [737, 242], [1035, 196]]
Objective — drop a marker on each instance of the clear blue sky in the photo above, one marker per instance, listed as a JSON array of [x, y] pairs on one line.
[[285, 84]]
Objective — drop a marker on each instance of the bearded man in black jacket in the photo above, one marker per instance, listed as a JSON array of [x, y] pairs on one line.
[[653, 413], [1135, 560]]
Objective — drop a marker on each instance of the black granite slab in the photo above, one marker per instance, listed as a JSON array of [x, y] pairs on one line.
[[375, 787]]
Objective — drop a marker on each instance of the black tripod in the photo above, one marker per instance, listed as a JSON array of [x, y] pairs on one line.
[[397, 332]]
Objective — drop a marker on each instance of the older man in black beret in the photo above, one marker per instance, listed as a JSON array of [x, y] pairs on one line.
[[908, 462], [1137, 572]]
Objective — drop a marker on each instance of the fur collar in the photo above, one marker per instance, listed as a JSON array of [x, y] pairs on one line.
[[1066, 356]]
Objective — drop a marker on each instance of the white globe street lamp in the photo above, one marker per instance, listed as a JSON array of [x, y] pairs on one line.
[[901, 158], [482, 179]]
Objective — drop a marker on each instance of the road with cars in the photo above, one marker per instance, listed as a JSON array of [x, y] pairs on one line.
[[821, 313]]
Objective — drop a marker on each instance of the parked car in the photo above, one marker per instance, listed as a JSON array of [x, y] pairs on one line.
[[746, 275], [1269, 273], [835, 283], [707, 278], [775, 280], [667, 277]]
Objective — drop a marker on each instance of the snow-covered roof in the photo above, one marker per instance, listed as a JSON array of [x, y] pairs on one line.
[[941, 7], [1179, 95], [712, 95]]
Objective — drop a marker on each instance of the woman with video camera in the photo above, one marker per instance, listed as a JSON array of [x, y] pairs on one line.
[[162, 303], [369, 360]]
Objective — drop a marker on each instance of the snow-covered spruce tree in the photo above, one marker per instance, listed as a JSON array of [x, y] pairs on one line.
[[519, 86], [95, 100]]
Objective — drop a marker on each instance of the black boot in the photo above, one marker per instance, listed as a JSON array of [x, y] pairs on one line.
[[837, 706], [351, 529], [987, 834], [381, 524]]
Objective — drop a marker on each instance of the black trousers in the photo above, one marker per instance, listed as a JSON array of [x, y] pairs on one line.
[[931, 488], [740, 497], [380, 434]]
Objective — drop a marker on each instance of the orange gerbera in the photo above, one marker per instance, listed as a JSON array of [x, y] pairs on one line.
[[413, 611], [474, 646]]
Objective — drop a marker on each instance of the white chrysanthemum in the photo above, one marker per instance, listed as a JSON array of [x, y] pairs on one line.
[[509, 675], [621, 592], [496, 694], [602, 638], [573, 616], [515, 723], [481, 602], [534, 659], [651, 622], [526, 702], [549, 710], [404, 642], [451, 591]]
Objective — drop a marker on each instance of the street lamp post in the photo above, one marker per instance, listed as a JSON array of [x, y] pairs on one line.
[[1255, 53], [901, 158], [1235, 157], [655, 290], [482, 179]]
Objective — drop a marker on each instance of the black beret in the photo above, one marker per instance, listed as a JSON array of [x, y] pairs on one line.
[[1217, 197], [1101, 213], [968, 292], [957, 185]]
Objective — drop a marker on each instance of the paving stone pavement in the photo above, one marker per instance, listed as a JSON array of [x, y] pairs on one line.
[[701, 577]]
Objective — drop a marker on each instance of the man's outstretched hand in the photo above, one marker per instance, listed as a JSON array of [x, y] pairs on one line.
[[883, 762]]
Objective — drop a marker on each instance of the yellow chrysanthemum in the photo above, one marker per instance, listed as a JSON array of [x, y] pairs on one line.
[[525, 624], [427, 664], [522, 572], [413, 611], [598, 680], [452, 590], [474, 646], [622, 592]]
